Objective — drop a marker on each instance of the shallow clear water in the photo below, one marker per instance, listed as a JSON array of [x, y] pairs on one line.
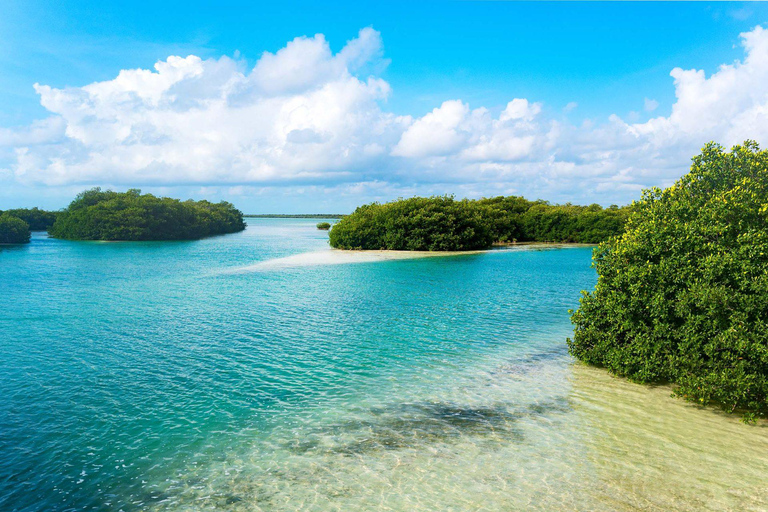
[[250, 372]]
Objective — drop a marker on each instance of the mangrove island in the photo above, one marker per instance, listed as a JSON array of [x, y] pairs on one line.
[[445, 224], [106, 215]]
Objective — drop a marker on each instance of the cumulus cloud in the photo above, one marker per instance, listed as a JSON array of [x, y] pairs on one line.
[[650, 105], [472, 135], [306, 117], [299, 114], [440, 132], [306, 62]]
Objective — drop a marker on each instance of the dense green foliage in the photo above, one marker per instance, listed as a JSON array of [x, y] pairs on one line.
[[444, 224], [108, 215], [517, 219], [38, 220], [416, 224], [323, 225], [13, 230], [682, 296]]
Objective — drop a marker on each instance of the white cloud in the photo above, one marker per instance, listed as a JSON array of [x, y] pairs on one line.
[[650, 105], [472, 135], [306, 62], [39, 132], [306, 117], [299, 114], [729, 106], [441, 132]]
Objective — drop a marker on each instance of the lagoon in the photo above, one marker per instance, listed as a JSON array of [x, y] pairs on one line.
[[262, 371]]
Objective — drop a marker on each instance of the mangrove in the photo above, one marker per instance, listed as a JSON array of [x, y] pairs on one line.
[[37, 219], [445, 224], [106, 215], [13, 230], [682, 295]]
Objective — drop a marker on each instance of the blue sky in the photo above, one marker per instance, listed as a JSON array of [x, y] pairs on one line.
[[577, 61]]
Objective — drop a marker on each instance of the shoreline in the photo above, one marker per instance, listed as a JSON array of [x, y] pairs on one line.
[[392, 254], [545, 244], [402, 254], [333, 256]]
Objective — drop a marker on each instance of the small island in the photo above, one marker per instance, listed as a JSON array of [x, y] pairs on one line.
[[445, 224], [325, 226], [132, 216]]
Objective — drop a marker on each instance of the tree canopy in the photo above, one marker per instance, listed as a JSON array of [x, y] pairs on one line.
[[416, 224], [37, 219], [13, 230], [106, 215], [515, 218], [445, 224], [682, 295]]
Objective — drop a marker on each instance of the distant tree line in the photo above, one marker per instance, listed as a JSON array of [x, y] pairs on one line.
[[445, 224], [106, 215]]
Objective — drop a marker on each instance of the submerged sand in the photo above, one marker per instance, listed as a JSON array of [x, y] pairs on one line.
[[535, 435], [342, 256]]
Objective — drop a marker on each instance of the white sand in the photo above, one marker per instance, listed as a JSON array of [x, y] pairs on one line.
[[340, 257]]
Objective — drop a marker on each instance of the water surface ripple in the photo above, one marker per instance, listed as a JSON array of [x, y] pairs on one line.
[[257, 372]]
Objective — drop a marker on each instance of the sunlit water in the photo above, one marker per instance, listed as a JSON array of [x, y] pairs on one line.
[[260, 371]]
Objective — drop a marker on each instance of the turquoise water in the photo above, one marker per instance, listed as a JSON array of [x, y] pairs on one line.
[[257, 371]]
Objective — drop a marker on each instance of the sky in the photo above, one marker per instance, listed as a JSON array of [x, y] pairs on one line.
[[302, 107]]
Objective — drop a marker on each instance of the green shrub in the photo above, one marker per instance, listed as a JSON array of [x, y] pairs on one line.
[[13, 230], [416, 224], [444, 224], [517, 219], [324, 226], [108, 215], [682, 296], [38, 220]]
